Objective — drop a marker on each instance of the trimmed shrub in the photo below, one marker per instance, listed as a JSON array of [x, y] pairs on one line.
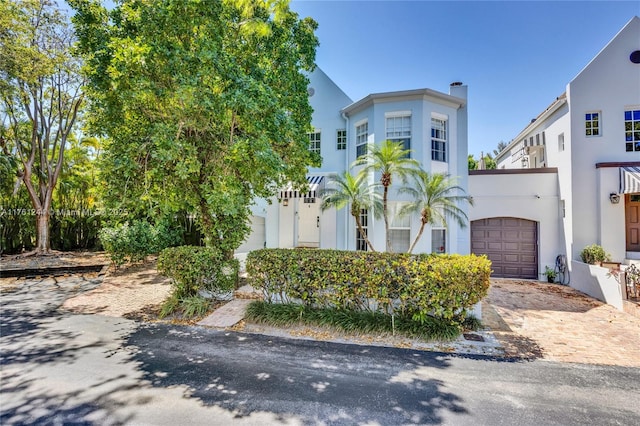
[[420, 286], [134, 242], [593, 254], [195, 268]]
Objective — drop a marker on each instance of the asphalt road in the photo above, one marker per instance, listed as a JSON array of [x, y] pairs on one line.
[[59, 368]]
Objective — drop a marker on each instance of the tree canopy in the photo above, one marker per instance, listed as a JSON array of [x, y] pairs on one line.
[[204, 105], [358, 194], [390, 159], [40, 99], [436, 197]]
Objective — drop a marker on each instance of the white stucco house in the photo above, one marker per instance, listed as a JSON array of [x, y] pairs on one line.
[[571, 177], [430, 123]]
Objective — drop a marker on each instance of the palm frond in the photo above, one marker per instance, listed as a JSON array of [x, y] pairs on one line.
[[437, 198], [347, 189], [388, 157]]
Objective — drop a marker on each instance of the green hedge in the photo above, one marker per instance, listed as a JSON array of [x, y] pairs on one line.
[[441, 286], [134, 242], [195, 268]]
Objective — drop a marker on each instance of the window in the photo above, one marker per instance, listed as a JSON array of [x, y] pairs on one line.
[[361, 244], [399, 228], [592, 124], [341, 139], [438, 241], [632, 130], [563, 210], [561, 142], [399, 129], [314, 142], [362, 136], [438, 139]]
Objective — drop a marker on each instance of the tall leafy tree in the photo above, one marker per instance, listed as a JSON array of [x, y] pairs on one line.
[[40, 98], [487, 162], [204, 104], [502, 145], [471, 161], [436, 198], [389, 159], [355, 192]]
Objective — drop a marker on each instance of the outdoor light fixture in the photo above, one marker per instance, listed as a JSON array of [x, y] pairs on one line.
[[285, 202], [614, 198]]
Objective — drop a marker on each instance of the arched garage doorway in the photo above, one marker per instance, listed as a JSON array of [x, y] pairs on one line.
[[510, 243]]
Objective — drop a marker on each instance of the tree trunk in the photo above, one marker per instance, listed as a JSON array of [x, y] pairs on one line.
[[417, 237], [361, 231], [42, 231], [385, 213]]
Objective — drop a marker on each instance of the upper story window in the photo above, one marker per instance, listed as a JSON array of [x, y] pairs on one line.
[[438, 139], [592, 124], [341, 139], [362, 137], [632, 130], [399, 129], [314, 142]]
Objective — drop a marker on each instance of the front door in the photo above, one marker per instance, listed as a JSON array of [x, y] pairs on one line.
[[632, 220], [308, 222]]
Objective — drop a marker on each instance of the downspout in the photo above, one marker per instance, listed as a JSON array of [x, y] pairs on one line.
[[346, 167]]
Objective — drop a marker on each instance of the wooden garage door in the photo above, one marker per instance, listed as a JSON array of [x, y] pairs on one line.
[[510, 243]]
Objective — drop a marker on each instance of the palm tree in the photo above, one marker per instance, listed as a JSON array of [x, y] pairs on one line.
[[389, 158], [353, 191], [436, 197]]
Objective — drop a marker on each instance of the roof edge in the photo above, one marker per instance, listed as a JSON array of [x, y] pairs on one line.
[[513, 171], [553, 107], [415, 93], [618, 164]]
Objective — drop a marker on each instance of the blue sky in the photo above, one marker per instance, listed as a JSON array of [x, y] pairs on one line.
[[515, 56]]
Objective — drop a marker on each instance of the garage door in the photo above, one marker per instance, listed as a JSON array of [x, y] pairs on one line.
[[510, 243]]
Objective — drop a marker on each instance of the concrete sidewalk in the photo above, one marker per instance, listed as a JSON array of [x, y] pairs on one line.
[[227, 315]]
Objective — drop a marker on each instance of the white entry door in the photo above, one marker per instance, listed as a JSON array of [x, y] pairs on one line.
[[308, 222]]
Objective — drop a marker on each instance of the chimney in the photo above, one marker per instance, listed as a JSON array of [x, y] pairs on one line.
[[458, 90]]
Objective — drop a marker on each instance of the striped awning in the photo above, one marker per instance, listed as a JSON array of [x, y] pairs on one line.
[[629, 180], [316, 183]]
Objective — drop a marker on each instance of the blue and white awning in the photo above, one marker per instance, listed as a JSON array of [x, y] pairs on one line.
[[629, 180], [316, 183]]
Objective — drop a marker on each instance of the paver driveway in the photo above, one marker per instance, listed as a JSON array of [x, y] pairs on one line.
[[561, 324]]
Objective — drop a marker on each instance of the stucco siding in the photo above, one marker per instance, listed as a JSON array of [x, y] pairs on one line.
[[531, 196], [608, 85]]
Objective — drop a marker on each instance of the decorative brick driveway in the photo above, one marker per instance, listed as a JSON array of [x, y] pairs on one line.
[[558, 323]]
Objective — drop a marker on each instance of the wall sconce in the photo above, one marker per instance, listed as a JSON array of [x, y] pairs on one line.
[[285, 202], [614, 198]]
